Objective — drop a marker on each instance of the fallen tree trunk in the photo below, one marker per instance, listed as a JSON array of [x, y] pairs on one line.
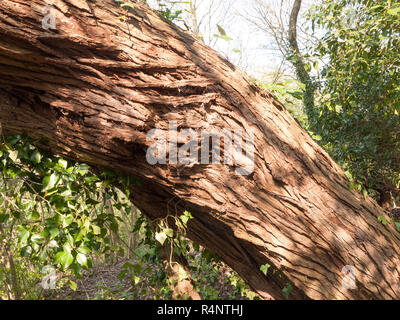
[[93, 88]]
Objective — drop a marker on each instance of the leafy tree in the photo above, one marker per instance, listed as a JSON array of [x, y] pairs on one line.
[[358, 116], [53, 213]]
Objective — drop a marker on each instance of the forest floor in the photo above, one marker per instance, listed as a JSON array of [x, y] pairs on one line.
[[103, 283]]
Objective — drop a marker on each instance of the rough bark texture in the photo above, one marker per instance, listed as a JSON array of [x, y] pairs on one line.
[[92, 89]]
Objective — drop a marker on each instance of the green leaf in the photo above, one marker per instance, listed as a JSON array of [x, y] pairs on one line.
[[36, 238], [13, 155], [64, 258], [36, 157], [23, 235], [127, 4], [4, 217], [13, 140], [26, 251], [264, 268], [316, 65], [67, 247], [182, 274], [49, 182], [72, 285], [161, 237], [382, 220], [84, 250], [184, 219], [114, 226], [63, 163], [52, 244], [287, 290], [135, 279], [54, 232], [81, 259], [394, 11], [96, 230], [122, 274], [67, 221], [169, 232]]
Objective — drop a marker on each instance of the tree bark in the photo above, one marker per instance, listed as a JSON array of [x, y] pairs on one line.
[[91, 89], [299, 63]]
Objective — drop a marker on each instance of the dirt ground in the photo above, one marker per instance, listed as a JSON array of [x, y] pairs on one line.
[[103, 283]]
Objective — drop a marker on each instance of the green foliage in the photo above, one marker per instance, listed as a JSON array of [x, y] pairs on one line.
[[222, 34], [167, 8], [358, 115], [146, 271], [168, 11], [290, 94], [264, 268], [55, 212], [287, 290], [382, 220]]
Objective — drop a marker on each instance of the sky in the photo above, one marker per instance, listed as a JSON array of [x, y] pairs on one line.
[[258, 53]]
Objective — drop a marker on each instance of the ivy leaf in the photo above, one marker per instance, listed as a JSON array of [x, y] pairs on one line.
[[26, 251], [161, 237], [127, 4], [81, 259], [394, 11], [63, 163], [96, 230], [13, 155], [169, 232], [184, 219], [23, 235], [182, 274], [84, 250], [73, 285], [287, 290], [382, 220], [67, 221], [53, 244], [135, 280], [49, 182], [36, 157], [54, 232], [64, 258], [264, 268], [13, 140]]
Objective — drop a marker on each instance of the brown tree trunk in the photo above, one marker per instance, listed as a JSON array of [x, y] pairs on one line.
[[174, 265], [298, 61], [385, 199], [91, 90]]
